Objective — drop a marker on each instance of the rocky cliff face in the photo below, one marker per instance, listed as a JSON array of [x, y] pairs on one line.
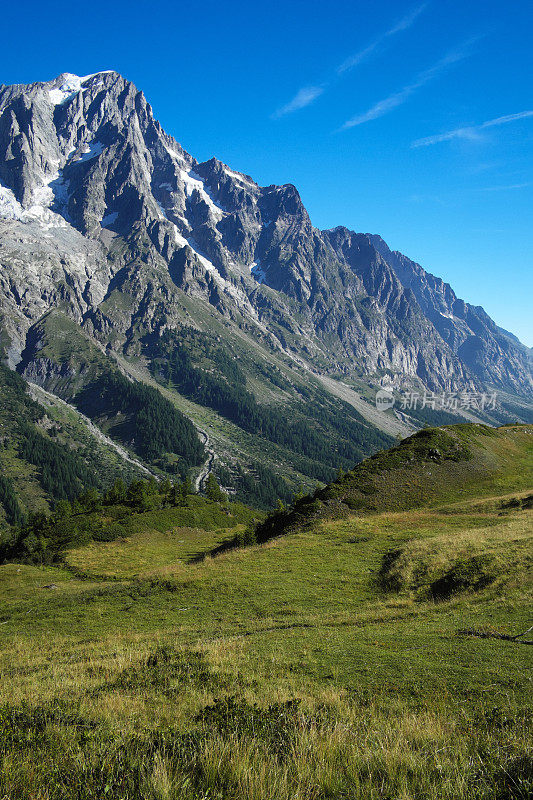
[[105, 216]]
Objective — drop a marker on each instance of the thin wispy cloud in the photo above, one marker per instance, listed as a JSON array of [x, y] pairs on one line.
[[301, 99], [403, 25], [508, 187], [399, 98], [308, 94], [472, 132]]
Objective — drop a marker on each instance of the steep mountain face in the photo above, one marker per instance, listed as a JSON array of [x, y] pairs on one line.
[[488, 351], [106, 217]]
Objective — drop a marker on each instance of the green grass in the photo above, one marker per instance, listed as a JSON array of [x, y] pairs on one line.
[[56, 425], [434, 466], [146, 553], [70, 428], [26, 480], [60, 339], [468, 559], [79, 361], [159, 540], [321, 665], [281, 671]]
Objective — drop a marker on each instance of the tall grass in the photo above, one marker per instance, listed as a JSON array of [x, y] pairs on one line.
[[281, 672], [168, 723]]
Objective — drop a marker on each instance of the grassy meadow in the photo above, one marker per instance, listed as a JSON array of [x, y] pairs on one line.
[[360, 656]]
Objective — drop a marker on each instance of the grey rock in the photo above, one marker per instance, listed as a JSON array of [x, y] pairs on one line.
[[107, 217]]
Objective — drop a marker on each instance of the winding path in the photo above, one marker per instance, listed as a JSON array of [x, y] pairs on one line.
[[207, 467]]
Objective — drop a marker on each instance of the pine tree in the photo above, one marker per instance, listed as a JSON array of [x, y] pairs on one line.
[[213, 490], [117, 493], [299, 495], [176, 495], [187, 487], [62, 510]]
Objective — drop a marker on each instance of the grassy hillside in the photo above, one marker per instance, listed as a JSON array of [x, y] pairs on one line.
[[141, 515], [433, 466], [320, 433], [370, 654], [71, 365]]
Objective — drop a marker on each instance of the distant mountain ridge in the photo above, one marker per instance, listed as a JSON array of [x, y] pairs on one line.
[[97, 200]]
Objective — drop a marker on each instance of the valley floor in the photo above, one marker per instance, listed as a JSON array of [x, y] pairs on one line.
[[324, 664]]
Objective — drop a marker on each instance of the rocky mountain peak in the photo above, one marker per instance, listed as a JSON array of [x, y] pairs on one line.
[[97, 199]]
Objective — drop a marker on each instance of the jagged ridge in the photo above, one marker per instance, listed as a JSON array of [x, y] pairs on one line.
[[107, 216]]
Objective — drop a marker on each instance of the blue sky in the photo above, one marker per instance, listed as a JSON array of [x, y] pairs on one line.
[[413, 120]]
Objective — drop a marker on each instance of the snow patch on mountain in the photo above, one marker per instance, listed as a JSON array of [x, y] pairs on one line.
[[226, 286], [258, 272], [193, 182], [10, 207], [90, 151], [66, 86], [180, 240], [239, 177], [39, 211], [210, 267], [174, 153], [49, 199]]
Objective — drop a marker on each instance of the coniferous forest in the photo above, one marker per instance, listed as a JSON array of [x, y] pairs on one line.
[[142, 417], [331, 434]]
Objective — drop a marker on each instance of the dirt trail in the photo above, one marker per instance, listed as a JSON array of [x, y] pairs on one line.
[[207, 468]]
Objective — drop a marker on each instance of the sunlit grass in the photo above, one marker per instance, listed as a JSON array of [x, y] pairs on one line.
[[282, 671]]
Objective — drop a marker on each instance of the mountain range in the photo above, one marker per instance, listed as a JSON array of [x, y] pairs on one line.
[[125, 262]]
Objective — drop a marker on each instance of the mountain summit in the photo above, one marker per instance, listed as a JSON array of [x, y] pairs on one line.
[[96, 199]]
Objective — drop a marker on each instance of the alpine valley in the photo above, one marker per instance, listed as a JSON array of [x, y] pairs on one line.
[[227, 571], [170, 317]]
